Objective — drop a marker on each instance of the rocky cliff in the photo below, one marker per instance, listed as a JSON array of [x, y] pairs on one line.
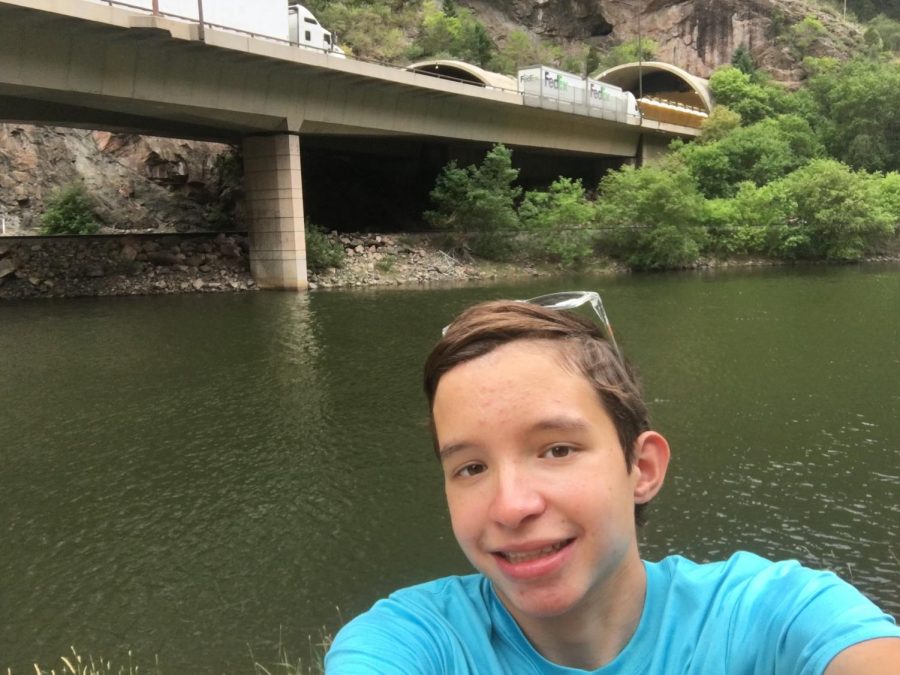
[[138, 183], [697, 35]]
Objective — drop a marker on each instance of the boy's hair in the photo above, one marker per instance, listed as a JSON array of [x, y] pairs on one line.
[[581, 345]]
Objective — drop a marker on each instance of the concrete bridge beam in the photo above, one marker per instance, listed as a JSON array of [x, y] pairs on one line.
[[274, 194]]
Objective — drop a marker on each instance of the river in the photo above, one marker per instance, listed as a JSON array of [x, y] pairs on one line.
[[205, 477]]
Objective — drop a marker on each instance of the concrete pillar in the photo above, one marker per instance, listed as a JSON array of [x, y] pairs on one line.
[[652, 149], [275, 204]]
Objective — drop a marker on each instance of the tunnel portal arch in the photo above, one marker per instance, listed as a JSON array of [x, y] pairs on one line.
[[661, 80], [463, 72]]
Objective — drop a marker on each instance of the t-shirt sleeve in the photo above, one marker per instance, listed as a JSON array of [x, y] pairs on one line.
[[388, 639], [810, 617]]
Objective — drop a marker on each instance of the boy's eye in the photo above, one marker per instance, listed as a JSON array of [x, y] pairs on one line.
[[471, 469], [558, 451]]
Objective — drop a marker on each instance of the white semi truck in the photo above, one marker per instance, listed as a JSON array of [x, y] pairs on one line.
[[304, 30], [266, 18]]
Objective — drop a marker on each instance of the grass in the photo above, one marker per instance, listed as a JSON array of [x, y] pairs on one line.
[[285, 664], [282, 663], [78, 665]]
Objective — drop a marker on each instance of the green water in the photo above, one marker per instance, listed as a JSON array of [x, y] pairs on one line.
[[200, 476]]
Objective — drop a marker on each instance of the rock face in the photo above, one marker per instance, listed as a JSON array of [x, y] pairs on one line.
[[698, 35], [137, 182]]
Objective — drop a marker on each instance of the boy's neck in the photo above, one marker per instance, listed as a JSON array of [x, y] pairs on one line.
[[593, 634]]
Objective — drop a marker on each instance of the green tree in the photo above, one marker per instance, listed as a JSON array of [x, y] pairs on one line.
[[836, 209], [630, 51], [886, 189], [855, 107], [806, 34], [760, 153], [743, 61], [887, 32], [555, 223], [754, 101], [477, 204], [591, 60], [721, 122], [458, 35], [521, 49], [652, 216], [69, 210]]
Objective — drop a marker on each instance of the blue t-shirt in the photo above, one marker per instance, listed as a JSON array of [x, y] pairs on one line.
[[742, 616]]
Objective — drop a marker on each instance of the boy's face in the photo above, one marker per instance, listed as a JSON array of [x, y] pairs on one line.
[[540, 497]]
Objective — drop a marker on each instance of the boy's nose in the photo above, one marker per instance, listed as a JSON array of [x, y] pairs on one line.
[[516, 498]]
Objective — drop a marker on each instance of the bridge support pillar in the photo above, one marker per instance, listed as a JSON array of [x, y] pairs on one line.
[[652, 149], [275, 204]]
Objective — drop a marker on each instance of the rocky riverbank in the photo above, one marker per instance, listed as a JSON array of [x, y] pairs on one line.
[[123, 265], [56, 267], [394, 260]]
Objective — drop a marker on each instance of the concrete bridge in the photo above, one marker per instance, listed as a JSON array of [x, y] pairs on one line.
[[104, 66]]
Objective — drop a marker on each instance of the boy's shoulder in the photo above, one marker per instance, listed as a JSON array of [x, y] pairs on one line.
[[749, 613], [741, 615], [441, 626]]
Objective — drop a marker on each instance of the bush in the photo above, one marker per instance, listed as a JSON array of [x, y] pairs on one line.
[[522, 49], [721, 122], [477, 204], [321, 251], [454, 34], [555, 223], [838, 209], [630, 51], [752, 100], [69, 210], [855, 107], [653, 216], [760, 153], [730, 232]]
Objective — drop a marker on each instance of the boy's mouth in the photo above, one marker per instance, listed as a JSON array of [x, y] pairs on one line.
[[516, 557]]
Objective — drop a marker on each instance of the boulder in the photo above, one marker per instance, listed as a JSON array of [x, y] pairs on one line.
[[7, 267]]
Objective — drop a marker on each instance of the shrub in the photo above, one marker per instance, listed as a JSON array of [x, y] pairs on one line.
[[477, 204], [454, 32], [731, 234], [836, 209], [855, 107], [887, 197], [555, 223], [806, 34], [321, 251], [721, 122], [69, 210], [630, 51], [522, 49], [653, 216], [760, 153], [753, 100]]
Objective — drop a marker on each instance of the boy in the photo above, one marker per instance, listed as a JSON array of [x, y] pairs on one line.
[[548, 459]]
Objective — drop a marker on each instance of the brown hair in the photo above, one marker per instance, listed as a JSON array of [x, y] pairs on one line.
[[582, 345]]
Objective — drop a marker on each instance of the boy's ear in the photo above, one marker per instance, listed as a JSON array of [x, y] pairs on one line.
[[651, 459]]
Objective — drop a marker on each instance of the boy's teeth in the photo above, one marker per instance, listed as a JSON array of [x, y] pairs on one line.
[[531, 555]]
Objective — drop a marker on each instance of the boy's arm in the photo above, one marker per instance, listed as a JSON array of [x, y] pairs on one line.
[[880, 656]]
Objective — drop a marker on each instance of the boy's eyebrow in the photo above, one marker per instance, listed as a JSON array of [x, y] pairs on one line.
[[559, 423], [447, 450]]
